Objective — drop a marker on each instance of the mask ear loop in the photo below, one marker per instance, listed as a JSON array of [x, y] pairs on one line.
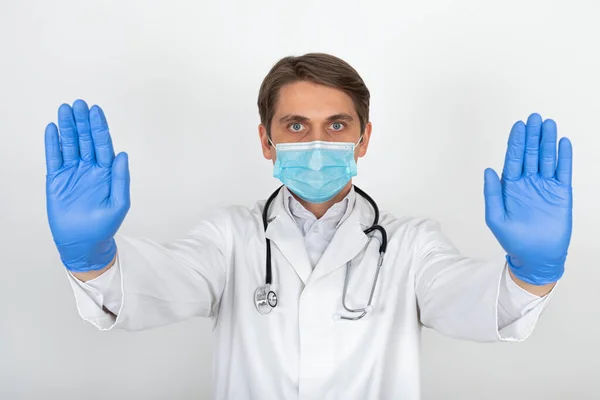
[[359, 140]]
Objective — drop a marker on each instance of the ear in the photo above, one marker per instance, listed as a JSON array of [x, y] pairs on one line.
[[267, 149], [361, 149]]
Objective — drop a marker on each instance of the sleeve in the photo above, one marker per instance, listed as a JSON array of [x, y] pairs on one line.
[[154, 284], [103, 291], [459, 296], [514, 302]]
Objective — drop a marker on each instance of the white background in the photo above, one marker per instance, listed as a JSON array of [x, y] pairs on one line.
[[178, 81]]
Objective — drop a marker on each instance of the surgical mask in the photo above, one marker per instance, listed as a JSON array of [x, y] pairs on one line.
[[315, 171]]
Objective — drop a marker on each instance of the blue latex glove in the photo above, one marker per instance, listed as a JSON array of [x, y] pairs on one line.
[[87, 187], [530, 210]]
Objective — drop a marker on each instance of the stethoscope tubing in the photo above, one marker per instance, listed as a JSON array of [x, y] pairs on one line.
[[262, 293]]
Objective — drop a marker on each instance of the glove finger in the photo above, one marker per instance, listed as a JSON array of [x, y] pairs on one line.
[[119, 193], [68, 134], [82, 120], [532, 146], [105, 154], [494, 201], [548, 149], [513, 162], [565, 161], [54, 158]]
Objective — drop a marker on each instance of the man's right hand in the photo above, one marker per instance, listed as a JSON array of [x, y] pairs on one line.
[[87, 188]]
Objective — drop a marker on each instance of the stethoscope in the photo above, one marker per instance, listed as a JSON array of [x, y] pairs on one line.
[[266, 299]]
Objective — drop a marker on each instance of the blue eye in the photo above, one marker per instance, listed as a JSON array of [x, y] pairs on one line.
[[336, 126], [296, 127]]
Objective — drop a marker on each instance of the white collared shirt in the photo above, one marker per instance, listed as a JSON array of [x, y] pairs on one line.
[[318, 232]]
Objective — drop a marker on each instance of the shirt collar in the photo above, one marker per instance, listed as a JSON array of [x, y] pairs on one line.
[[341, 209]]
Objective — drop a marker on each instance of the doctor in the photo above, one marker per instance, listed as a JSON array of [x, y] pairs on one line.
[[308, 300]]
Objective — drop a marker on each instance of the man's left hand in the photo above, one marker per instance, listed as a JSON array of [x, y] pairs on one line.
[[529, 210]]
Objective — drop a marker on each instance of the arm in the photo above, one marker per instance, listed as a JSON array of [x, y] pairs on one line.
[[87, 191], [530, 214], [459, 296], [156, 284]]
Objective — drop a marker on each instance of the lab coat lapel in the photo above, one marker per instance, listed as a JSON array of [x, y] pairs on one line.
[[348, 241], [285, 234]]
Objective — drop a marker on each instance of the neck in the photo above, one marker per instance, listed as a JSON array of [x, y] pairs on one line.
[[319, 209]]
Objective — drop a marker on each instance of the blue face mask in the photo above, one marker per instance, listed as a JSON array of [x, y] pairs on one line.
[[315, 171]]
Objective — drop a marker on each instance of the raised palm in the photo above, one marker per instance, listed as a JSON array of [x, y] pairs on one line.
[[87, 187], [530, 209]]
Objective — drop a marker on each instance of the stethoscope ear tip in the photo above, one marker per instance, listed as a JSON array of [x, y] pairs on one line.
[[336, 317]]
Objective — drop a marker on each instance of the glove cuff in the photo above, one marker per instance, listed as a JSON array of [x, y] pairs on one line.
[[96, 258], [539, 275]]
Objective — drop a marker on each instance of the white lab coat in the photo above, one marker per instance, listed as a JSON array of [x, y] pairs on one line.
[[299, 351]]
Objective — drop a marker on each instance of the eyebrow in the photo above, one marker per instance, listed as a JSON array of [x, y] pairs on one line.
[[301, 118]]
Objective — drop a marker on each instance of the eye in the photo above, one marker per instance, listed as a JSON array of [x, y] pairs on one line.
[[337, 126], [295, 127]]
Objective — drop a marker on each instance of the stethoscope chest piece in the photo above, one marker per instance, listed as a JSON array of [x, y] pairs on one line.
[[265, 299]]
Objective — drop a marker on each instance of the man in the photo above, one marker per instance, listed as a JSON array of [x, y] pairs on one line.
[[288, 331]]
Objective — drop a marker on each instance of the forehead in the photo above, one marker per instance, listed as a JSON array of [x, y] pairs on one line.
[[312, 100]]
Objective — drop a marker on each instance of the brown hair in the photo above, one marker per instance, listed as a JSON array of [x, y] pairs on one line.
[[320, 68]]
